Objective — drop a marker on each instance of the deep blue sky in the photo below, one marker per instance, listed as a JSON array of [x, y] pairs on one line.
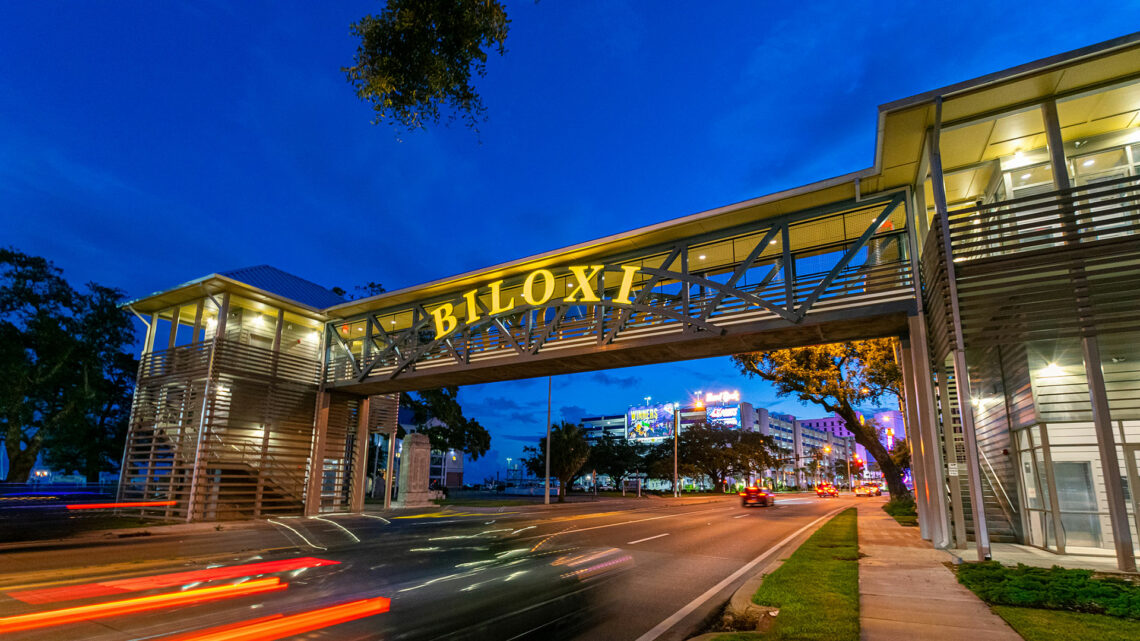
[[143, 144]]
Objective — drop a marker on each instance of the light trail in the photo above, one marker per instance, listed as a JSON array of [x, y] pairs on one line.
[[138, 584], [288, 626], [109, 506], [140, 604]]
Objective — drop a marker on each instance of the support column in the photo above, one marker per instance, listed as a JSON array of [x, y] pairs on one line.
[[1109, 463], [961, 374], [926, 423], [919, 463], [360, 456], [317, 456], [389, 476], [919, 455]]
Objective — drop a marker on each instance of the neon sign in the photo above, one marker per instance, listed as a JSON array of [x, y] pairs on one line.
[[723, 397]]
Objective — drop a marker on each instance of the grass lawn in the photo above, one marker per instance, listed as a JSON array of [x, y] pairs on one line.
[[34, 530], [1056, 625], [817, 589]]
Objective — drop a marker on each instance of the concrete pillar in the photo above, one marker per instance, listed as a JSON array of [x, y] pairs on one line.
[[415, 464], [360, 457], [317, 456]]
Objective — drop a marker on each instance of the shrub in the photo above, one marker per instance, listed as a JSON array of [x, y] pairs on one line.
[[901, 506], [1054, 588]]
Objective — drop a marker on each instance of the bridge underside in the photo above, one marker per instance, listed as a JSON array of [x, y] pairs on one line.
[[885, 320]]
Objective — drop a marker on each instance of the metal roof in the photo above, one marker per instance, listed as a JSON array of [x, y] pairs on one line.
[[285, 285]]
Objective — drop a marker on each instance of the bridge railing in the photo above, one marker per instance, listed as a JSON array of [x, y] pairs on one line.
[[1040, 267]]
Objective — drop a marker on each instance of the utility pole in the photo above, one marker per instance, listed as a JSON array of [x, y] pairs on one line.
[[549, 388]]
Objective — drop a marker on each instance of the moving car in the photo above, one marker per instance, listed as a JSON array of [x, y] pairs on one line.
[[867, 490], [825, 490], [750, 496]]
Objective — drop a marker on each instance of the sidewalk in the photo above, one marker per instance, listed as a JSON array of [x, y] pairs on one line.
[[906, 593]]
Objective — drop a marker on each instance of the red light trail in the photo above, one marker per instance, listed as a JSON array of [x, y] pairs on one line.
[[108, 506], [138, 584], [271, 628], [139, 604]]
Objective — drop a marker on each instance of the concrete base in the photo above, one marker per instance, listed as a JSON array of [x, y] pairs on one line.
[[415, 463]]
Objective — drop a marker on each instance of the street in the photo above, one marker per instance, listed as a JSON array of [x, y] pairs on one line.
[[613, 569]]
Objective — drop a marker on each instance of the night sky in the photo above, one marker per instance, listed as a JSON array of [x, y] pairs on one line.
[[144, 144]]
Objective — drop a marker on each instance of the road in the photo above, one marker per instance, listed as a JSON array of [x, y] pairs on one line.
[[615, 569]]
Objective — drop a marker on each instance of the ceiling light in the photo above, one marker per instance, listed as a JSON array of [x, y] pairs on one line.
[[393, 322], [1017, 153], [702, 257], [1026, 176], [1088, 163], [772, 243], [1052, 369]]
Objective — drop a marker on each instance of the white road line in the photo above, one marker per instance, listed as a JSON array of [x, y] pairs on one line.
[[740, 517], [294, 531], [648, 538], [663, 627], [598, 527], [346, 530]]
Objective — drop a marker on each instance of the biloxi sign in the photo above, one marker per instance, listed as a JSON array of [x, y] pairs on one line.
[[537, 289]]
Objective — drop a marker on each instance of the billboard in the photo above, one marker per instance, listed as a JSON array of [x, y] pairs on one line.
[[652, 422], [723, 415]]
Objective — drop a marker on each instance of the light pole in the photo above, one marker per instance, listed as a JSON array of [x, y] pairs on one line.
[[546, 491]]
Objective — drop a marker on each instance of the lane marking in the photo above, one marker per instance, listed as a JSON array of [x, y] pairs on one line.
[[346, 530], [740, 517], [648, 538], [673, 619], [294, 531], [652, 518]]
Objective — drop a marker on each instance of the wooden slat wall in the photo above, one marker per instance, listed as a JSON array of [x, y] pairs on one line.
[[257, 430]]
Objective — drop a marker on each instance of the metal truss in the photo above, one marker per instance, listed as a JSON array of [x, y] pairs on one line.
[[674, 296]]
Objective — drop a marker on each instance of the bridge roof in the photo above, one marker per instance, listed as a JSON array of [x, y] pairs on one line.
[[902, 127]]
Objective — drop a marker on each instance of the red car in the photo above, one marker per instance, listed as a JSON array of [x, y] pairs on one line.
[[750, 496], [826, 490]]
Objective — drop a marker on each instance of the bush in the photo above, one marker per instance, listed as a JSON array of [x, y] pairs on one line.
[[1055, 588], [901, 506]]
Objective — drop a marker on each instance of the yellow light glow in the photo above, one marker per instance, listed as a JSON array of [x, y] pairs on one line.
[[1052, 369]]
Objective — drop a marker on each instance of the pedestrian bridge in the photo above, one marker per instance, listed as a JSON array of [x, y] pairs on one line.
[[693, 288]]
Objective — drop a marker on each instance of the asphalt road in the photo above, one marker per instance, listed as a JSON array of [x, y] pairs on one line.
[[613, 570]]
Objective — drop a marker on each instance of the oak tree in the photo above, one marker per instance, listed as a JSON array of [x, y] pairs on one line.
[[416, 58], [838, 377]]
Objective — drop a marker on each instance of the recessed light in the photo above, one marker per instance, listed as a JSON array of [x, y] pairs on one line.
[[772, 243], [702, 257], [1026, 176], [1088, 163]]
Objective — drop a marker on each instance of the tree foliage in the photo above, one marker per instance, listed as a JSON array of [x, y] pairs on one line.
[[67, 373], [437, 414], [417, 57], [718, 452], [569, 452], [838, 377], [617, 457], [367, 290]]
